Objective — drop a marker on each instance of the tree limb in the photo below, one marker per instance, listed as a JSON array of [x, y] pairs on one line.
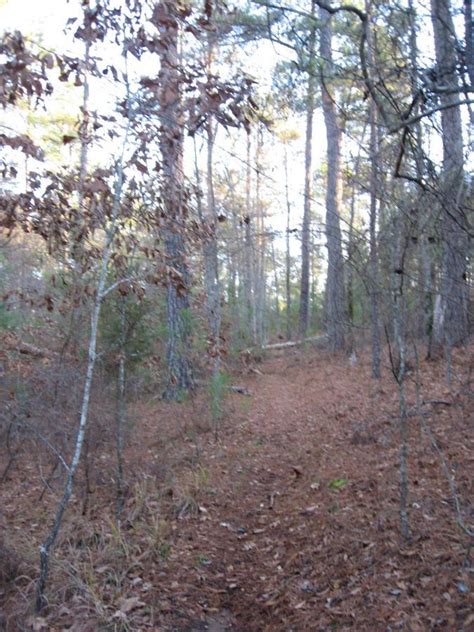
[[419, 117]]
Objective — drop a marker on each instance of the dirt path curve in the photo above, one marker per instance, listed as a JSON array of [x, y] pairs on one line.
[[298, 520]]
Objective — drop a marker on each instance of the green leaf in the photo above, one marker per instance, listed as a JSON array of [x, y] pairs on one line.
[[338, 483]]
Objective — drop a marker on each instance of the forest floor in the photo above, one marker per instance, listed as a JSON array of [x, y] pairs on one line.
[[288, 522]]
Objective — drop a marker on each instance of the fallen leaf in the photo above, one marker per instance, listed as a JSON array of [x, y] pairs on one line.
[[130, 604]]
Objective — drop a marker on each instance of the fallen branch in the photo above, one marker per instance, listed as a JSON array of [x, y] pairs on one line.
[[12, 343], [28, 349], [240, 389], [288, 344], [281, 345], [436, 402]]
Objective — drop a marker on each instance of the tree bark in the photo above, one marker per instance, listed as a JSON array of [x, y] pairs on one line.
[[469, 36], [235, 250], [336, 314], [399, 250], [352, 248], [277, 289], [211, 262], [425, 219], [171, 147], [249, 250], [121, 407], [308, 176], [288, 251], [451, 306], [260, 254], [374, 187]]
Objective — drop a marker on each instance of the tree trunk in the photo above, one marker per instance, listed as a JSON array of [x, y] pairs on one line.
[[211, 263], [260, 276], [336, 315], [469, 37], [121, 407], [48, 544], [277, 290], [399, 250], [76, 253], [425, 217], [451, 310], [288, 251], [308, 176], [171, 147], [249, 250], [235, 248], [352, 248], [374, 187]]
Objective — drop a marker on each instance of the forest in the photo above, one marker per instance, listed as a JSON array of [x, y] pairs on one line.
[[236, 366]]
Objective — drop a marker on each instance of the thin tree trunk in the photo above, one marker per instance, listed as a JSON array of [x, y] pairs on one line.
[[260, 276], [120, 414], [249, 251], [351, 248], [308, 176], [469, 37], [428, 283], [277, 289], [212, 282], [235, 248], [237, 258], [45, 548], [232, 280], [374, 188], [313, 283], [425, 222], [84, 130], [211, 262], [399, 368], [77, 316], [288, 251]]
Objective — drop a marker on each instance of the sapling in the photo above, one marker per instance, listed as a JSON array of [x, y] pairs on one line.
[[101, 291], [120, 417], [399, 366]]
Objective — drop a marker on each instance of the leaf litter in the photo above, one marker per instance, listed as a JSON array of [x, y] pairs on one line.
[[289, 522]]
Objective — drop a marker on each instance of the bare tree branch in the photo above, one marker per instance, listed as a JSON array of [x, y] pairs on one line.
[[419, 117]]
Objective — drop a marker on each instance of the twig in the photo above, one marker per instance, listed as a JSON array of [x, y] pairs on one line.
[[427, 113], [112, 287], [436, 402], [450, 478], [46, 442]]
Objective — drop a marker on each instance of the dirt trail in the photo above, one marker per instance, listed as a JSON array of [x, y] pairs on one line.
[[289, 523], [299, 527]]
